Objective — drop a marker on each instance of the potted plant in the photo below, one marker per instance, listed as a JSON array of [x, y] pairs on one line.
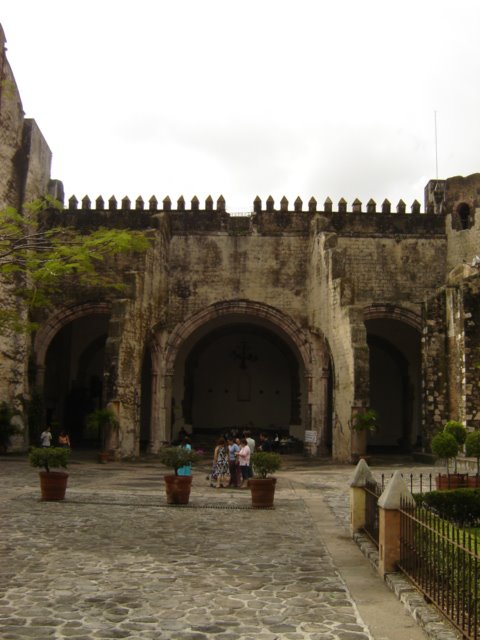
[[102, 422], [459, 432], [7, 428], [53, 484], [363, 423], [177, 487], [472, 449], [262, 487], [445, 447]]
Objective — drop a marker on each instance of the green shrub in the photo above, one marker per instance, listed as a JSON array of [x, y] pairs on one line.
[[49, 457], [176, 457], [366, 421], [265, 463], [7, 428], [461, 506], [444, 446], [457, 430], [472, 447]]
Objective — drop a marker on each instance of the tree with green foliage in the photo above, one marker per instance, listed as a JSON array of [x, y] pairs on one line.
[[472, 447], [41, 259], [445, 447], [7, 427]]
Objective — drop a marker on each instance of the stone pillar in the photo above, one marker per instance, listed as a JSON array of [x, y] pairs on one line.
[[154, 435], [40, 378], [359, 481], [323, 410], [153, 443], [165, 409], [389, 523]]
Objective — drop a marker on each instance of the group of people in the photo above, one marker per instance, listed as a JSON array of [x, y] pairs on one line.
[[46, 438], [231, 459]]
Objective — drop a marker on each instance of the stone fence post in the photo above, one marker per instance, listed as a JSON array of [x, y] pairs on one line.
[[389, 523], [361, 476]]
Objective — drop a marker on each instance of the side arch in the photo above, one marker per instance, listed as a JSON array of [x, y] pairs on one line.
[[58, 320], [395, 366], [393, 312]]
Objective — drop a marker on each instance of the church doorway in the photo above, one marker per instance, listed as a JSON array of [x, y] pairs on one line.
[[395, 383], [73, 381], [235, 376]]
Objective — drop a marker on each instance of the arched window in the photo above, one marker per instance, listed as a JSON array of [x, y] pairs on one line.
[[464, 220]]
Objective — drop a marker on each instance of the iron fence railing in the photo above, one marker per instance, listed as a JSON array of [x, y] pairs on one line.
[[416, 482], [443, 561], [373, 491]]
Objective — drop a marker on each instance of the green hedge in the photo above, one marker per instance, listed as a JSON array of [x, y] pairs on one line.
[[461, 506]]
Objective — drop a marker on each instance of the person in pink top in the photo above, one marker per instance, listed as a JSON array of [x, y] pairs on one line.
[[244, 458]]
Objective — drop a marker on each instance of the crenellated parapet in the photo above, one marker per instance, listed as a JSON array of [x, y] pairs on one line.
[[266, 217], [154, 205]]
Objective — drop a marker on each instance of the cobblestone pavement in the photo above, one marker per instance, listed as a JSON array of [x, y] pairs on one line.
[[114, 561]]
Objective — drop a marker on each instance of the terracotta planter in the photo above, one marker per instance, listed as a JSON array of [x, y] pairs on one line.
[[178, 489], [263, 492], [451, 481], [359, 444], [103, 457], [474, 482], [53, 484]]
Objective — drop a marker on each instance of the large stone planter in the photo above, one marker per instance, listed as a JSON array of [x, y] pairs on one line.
[[359, 444], [451, 481], [262, 491], [474, 482], [53, 484], [178, 489]]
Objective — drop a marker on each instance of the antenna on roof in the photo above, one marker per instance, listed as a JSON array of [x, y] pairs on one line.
[[436, 144]]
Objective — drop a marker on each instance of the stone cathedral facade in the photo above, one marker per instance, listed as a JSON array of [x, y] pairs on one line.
[[291, 318]]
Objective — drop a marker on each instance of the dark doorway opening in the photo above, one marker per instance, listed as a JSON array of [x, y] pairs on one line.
[[239, 376], [395, 366], [74, 368]]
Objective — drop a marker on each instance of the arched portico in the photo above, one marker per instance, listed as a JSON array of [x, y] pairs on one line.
[[394, 341], [69, 355], [240, 362]]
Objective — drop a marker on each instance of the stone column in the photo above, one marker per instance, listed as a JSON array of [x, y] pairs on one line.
[[389, 523], [153, 431], [165, 408], [40, 378], [323, 410]]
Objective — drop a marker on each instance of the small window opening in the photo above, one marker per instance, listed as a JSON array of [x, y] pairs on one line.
[[464, 216]]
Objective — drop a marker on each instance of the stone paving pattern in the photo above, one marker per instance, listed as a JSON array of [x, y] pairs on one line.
[[114, 561]]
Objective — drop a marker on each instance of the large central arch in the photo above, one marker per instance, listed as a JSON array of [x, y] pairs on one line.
[[261, 352]]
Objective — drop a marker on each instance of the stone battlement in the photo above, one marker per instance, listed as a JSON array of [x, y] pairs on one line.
[[153, 205]]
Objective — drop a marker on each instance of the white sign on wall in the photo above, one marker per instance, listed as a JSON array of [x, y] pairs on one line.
[[311, 436]]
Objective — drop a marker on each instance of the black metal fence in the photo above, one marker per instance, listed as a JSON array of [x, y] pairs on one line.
[[417, 483], [373, 491], [444, 563]]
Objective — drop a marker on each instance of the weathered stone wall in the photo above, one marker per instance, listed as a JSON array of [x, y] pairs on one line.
[[24, 175], [11, 131], [131, 332], [471, 315], [360, 266], [435, 370], [207, 268], [462, 224]]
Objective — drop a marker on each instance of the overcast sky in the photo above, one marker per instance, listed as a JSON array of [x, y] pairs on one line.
[[254, 97]]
